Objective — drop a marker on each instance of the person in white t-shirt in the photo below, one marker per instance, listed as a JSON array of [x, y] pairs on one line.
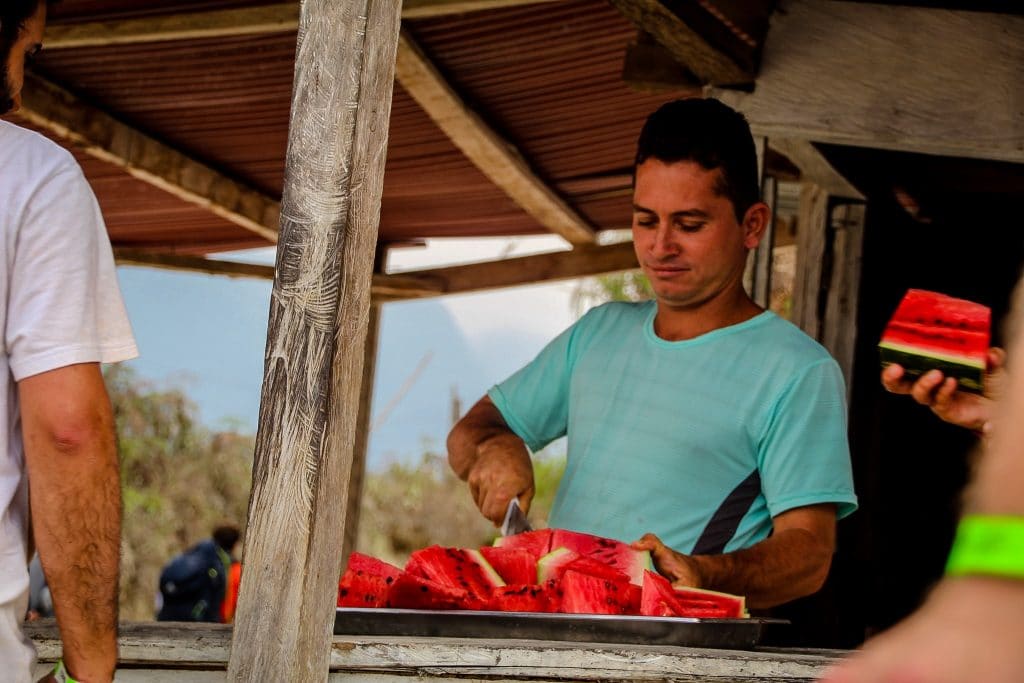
[[61, 315]]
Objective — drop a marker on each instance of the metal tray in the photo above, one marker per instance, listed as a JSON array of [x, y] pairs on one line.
[[737, 634]]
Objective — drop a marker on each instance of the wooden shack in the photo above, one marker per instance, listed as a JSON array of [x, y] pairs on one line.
[[339, 130]]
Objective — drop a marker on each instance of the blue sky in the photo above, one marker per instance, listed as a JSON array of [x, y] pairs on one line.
[[207, 334]]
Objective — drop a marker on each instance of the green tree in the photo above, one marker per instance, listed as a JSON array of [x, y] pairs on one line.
[[630, 285], [179, 480]]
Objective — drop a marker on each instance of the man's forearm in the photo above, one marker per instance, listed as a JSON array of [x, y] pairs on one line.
[[76, 510], [786, 566]]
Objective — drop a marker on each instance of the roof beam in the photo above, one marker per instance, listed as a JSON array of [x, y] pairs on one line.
[[418, 284], [97, 133], [815, 167], [232, 22], [494, 156], [890, 77], [697, 39]]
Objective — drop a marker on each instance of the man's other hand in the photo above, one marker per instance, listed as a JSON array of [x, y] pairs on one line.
[[675, 566], [938, 392], [502, 471]]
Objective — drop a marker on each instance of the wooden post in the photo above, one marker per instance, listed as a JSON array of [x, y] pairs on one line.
[[811, 234], [839, 333], [319, 308]]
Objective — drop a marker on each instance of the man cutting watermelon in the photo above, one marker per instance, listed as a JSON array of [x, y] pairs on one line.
[[712, 430]]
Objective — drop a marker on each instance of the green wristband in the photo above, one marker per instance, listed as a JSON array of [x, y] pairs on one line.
[[988, 546], [60, 673]]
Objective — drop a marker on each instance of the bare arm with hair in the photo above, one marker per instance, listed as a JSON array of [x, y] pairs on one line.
[[791, 563], [484, 452], [75, 494]]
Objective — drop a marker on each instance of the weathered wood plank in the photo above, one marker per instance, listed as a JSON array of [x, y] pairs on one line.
[[344, 77], [495, 157], [839, 332], [814, 167], [232, 22], [473, 277], [811, 236], [100, 135], [891, 77], [362, 438], [180, 647], [683, 28], [761, 285]]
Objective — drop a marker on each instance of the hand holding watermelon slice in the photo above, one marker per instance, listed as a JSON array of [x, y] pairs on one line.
[[936, 349]]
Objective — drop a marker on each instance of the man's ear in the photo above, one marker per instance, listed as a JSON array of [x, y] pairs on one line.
[[755, 222]]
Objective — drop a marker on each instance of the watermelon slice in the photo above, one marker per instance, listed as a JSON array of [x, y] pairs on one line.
[[553, 565], [457, 569], [537, 543], [521, 598], [606, 550], [514, 565], [366, 582], [410, 591], [585, 594], [934, 331], [659, 599]]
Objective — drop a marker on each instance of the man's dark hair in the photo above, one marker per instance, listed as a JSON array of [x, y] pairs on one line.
[[13, 15], [708, 133], [226, 537]]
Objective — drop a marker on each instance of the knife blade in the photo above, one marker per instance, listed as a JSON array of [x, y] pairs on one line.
[[515, 521]]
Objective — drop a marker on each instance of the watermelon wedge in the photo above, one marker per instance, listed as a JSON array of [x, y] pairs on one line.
[[659, 599], [934, 331], [522, 598], [613, 553], [585, 594], [537, 543], [410, 591], [514, 565], [457, 569], [366, 582]]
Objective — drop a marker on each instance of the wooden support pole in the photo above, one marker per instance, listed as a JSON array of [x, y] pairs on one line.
[[318, 320], [811, 235], [839, 333], [358, 473]]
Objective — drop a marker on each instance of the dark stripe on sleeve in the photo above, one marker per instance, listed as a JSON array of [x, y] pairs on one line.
[[723, 524]]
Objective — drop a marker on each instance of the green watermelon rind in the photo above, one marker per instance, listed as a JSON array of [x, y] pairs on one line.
[[490, 573], [969, 373], [548, 565]]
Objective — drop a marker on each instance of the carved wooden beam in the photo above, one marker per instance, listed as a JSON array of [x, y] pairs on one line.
[[814, 167], [67, 118]]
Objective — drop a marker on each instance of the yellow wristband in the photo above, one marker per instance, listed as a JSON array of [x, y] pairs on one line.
[[988, 546], [60, 673]]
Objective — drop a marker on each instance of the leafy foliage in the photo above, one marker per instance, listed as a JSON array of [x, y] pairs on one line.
[[178, 479], [631, 285]]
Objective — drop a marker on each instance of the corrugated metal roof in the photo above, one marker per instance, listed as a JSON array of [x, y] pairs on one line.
[[547, 78]]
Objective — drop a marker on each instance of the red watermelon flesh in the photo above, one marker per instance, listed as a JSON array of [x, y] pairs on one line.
[[521, 598], [934, 331], [538, 542], [585, 594], [366, 582], [514, 565], [457, 569], [609, 551], [660, 599], [410, 591]]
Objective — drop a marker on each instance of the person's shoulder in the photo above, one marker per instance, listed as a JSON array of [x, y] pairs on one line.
[[33, 152], [788, 340]]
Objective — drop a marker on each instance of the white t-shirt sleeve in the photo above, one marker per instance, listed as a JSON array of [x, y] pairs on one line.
[[64, 304]]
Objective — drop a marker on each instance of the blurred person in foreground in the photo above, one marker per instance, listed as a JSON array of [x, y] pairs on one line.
[[61, 315], [971, 627]]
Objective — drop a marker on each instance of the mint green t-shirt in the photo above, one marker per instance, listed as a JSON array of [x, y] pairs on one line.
[[699, 441]]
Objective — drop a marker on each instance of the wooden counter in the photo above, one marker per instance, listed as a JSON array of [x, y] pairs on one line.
[[157, 652]]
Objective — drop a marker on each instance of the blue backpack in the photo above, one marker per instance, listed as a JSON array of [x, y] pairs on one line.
[[192, 584]]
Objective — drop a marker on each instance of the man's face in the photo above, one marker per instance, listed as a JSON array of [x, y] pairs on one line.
[[686, 236], [28, 42]]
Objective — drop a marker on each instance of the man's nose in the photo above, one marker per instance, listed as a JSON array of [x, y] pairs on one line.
[[664, 243]]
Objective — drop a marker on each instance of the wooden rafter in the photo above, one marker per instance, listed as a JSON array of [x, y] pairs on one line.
[[495, 157], [890, 77], [418, 284], [815, 167], [67, 118], [232, 22], [697, 38]]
